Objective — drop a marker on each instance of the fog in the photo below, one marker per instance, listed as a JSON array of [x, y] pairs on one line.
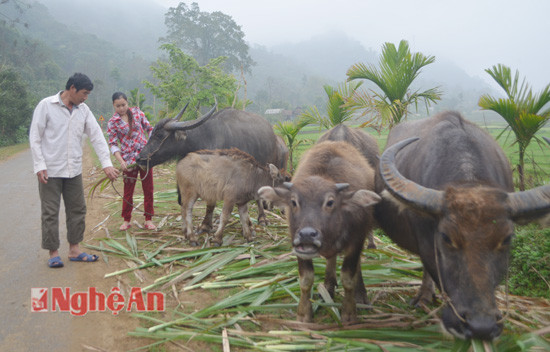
[[475, 34]]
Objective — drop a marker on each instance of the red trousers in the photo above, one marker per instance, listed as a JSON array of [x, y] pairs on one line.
[[130, 179]]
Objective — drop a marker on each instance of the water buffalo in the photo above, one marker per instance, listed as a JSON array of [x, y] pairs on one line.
[[454, 205], [230, 175], [228, 128], [363, 142], [328, 207]]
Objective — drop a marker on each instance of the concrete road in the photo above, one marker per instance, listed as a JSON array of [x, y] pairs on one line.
[[23, 265]]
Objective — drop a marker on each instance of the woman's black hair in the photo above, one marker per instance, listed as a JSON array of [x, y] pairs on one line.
[[118, 95]]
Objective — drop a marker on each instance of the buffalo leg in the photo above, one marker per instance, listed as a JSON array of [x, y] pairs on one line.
[[330, 276], [350, 276], [187, 203], [305, 270], [370, 240], [245, 222], [360, 291], [262, 219], [224, 218], [206, 225], [426, 293]]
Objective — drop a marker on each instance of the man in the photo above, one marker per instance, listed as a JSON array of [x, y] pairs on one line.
[[57, 130]]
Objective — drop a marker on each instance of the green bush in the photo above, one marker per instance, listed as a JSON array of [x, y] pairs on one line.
[[530, 262]]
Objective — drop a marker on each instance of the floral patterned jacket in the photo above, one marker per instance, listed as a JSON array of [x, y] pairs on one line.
[[119, 141]]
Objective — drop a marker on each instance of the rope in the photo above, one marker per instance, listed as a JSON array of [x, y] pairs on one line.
[[448, 300]]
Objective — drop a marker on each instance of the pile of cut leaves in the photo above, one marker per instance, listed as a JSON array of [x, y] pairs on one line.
[[243, 296]]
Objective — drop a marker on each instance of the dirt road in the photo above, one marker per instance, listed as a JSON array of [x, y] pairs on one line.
[[23, 265]]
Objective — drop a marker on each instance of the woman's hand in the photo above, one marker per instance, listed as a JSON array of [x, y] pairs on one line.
[[124, 166]]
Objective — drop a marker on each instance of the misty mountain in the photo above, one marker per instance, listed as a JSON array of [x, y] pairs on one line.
[[115, 42], [329, 55], [134, 26]]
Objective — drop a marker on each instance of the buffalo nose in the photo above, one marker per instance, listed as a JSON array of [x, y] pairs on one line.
[[484, 328], [308, 234]]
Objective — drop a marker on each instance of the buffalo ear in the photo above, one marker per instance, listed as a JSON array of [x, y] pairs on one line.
[[180, 135], [361, 198], [274, 172], [277, 196]]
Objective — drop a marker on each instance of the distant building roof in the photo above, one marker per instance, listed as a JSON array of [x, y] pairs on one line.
[[273, 111]]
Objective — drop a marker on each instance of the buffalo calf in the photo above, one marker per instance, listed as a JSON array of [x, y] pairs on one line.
[[230, 175], [328, 207], [363, 142]]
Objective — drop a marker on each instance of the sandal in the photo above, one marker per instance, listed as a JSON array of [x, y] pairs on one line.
[[55, 262], [84, 257], [149, 226], [125, 226]]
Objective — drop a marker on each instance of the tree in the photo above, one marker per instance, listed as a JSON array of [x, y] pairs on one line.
[[15, 108], [337, 110], [182, 80], [289, 130], [397, 69], [206, 36], [523, 111]]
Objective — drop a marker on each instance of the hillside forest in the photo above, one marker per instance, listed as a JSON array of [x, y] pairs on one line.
[[40, 48]]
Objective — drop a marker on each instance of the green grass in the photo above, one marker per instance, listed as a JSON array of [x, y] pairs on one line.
[[9, 151]]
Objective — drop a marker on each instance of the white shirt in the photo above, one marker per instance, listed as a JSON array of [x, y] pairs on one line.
[[56, 137]]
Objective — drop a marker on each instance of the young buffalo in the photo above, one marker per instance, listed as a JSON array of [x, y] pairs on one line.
[[328, 207], [230, 175]]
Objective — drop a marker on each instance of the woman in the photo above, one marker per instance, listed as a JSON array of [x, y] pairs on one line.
[[127, 138]]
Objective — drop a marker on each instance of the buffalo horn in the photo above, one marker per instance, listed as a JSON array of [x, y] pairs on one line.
[[341, 186], [189, 125], [177, 118], [529, 205], [414, 195]]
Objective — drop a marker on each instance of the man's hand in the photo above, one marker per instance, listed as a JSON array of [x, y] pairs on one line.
[[111, 173], [42, 176]]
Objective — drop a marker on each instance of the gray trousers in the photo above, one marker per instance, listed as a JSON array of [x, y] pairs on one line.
[[75, 210]]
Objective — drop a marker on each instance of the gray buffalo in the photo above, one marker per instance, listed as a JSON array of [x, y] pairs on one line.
[[228, 128], [453, 203]]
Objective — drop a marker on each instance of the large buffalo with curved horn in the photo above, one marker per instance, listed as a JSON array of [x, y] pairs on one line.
[[228, 128], [453, 203]]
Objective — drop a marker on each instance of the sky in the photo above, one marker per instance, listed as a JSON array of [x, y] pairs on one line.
[[475, 34]]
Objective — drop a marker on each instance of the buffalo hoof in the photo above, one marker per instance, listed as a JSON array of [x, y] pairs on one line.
[[349, 318], [194, 243], [423, 299], [216, 243], [371, 246], [203, 229], [304, 318], [263, 221]]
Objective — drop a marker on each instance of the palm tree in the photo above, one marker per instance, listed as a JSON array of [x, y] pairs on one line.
[[337, 110], [289, 130], [398, 68], [523, 111]]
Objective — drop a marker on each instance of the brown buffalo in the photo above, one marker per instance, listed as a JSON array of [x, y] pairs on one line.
[[454, 204], [230, 175], [328, 208], [363, 142]]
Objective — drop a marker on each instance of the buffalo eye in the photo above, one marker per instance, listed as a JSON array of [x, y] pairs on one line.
[[330, 203], [294, 204], [507, 240], [446, 239]]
